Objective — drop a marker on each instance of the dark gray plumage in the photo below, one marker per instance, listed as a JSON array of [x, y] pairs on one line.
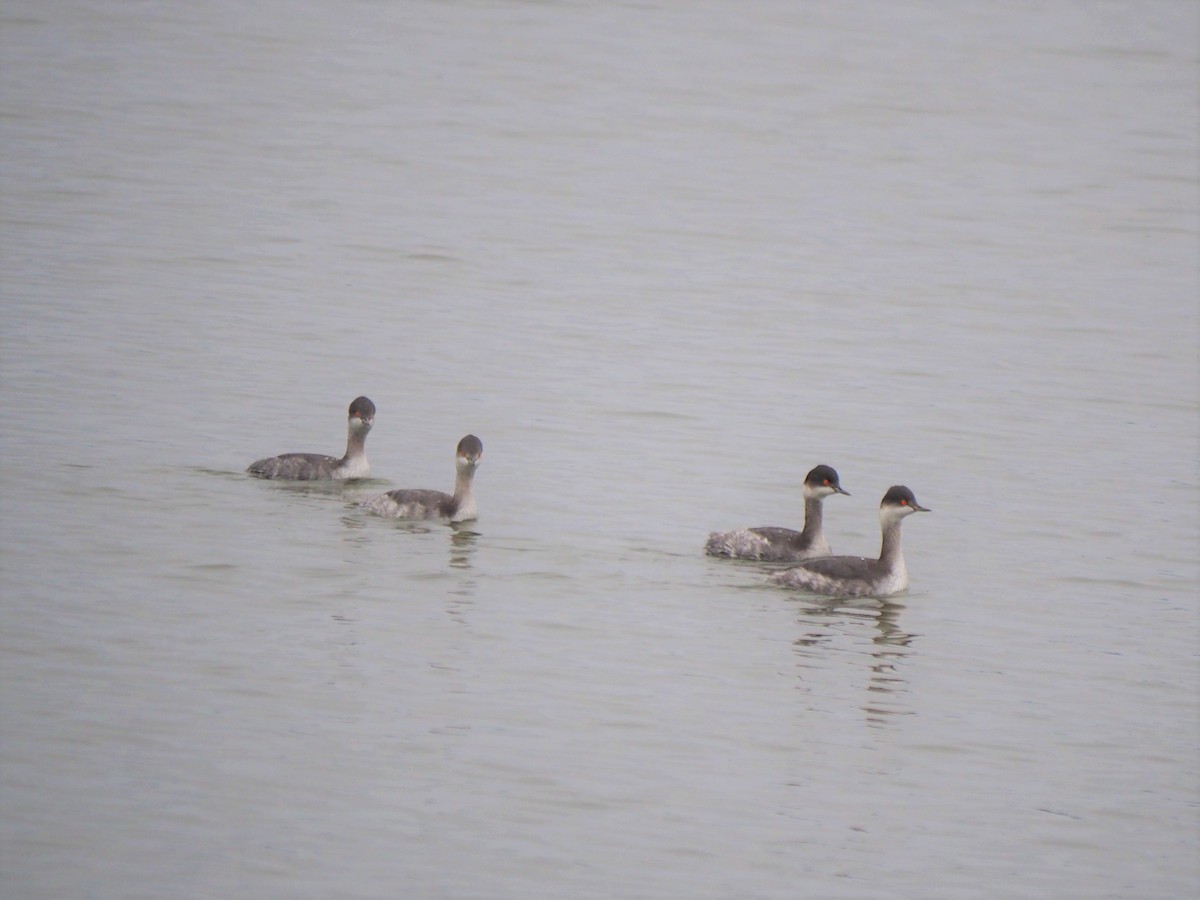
[[858, 576], [317, 466], [426, 504], [774, 544]]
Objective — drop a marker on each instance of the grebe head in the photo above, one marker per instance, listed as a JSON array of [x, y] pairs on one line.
[[897, 503], [362, 414], [469, 452], [823, 481]]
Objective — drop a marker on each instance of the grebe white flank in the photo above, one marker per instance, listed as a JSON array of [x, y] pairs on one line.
[[784, 544], [422, 504], [316, 466], [856, 576]]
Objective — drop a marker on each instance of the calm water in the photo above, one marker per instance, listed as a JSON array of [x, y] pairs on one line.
[[662, 258]]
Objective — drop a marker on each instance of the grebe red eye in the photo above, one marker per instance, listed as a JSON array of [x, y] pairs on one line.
[[826, 482], [904, 503]]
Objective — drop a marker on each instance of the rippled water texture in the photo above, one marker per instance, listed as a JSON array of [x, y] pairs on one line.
[[662, 259]]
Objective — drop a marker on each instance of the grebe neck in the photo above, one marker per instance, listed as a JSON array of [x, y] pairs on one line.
[[464, 494], [356, 440], [890, 554], [812, 515]]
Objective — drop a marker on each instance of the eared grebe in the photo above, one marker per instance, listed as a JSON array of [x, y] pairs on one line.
[[784, 544], [317, 467], [419, 504], [856, 576]]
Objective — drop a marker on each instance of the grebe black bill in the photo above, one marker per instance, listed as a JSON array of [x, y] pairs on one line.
[[424, 504], [317, 466], [783, 544], [857, 576]]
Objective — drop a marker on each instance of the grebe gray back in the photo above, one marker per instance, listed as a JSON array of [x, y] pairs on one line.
[[784, 544], [423, 504], [318, 467], [857, 576]]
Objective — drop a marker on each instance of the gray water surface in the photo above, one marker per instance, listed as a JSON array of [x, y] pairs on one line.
[[662, 259]]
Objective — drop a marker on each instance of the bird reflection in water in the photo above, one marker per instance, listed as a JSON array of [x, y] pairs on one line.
[[462, 545], [828, 623], [462, 550]]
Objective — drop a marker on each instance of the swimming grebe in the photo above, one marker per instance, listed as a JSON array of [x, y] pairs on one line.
[[856, 576], [420, 504], [317, 467], [784, 544]]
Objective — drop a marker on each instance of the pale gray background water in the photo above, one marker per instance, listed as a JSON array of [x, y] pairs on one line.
[[662, 258]]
